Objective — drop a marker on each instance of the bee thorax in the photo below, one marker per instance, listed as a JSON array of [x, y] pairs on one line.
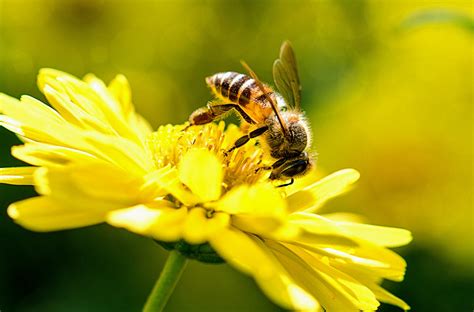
[[291, 144]]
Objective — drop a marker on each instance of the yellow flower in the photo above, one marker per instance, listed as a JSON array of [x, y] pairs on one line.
[[95, 160]]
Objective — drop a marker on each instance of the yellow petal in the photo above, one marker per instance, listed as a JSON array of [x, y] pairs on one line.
[[142, 126], [387, 297], [217, 222], [194, 231], [345, 216], [356, 293], [26, 108], [35, 120], [17, 175], [257, 224], [117, 150], [251, 257], [159, 220], [363, 253], [76, 90], [167, 179], [320, 231], [112, 109], [326, 288], [108, 104], [373, 284], [75, 114], [120, 89], [201, 171], [377, 261], [90, 121], [47, 214], [90, 183], [260, 199], [46, 155], [49, 73], [91, 105], [379, 235], [199, 227], [315, 195]]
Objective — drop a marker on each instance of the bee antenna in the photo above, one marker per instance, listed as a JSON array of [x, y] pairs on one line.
[[269, 99]]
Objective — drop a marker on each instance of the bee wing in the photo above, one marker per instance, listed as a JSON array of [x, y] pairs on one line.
[[285, 75], [269, 99]]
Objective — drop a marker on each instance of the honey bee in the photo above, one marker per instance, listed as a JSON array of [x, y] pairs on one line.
[[275, 116]]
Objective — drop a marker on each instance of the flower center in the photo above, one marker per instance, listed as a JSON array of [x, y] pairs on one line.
[[241, 166]]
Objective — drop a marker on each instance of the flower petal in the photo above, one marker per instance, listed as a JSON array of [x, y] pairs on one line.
[[46, 155], [379, 260], [120, 89], [315, 195], [261, 225], [159, 220], [91, 105], [117, 150], [73, 113], [379, 235], [34, 120], [347, 287], [198, 227], [44, 214], [17, 175], [260, 199], [386, 297], [167, 178], [194, 230], [87, 184], [73, 89], [373, 284], [345, 216], [320, 231], [201, 171], [251, 257]]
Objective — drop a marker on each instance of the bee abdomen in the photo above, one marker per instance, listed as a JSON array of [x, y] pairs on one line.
[[232, 86]]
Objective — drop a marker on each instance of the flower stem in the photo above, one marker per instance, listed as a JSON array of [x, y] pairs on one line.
[[165, 284]]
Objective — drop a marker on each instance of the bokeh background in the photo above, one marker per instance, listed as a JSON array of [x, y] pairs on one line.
[[387, 85]]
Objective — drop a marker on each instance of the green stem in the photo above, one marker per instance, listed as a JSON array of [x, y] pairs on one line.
[[165, 284]]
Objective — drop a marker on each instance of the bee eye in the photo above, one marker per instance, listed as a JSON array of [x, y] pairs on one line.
[[295, 168]]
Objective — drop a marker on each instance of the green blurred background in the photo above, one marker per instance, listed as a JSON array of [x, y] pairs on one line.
[[388, 88]]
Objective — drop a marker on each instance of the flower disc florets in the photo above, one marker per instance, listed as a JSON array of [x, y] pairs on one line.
[[241, 166]]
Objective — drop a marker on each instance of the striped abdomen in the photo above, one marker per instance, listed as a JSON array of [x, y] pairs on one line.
[[238, 88]]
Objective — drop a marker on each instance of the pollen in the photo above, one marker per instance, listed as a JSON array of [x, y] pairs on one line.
[[244, 165]]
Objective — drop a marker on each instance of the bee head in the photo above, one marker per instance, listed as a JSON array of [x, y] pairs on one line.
[[292, 167]]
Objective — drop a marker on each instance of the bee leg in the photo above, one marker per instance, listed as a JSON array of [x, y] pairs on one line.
[[226, 107], [286, 184], [263, 168], [277, 168], [244, 139], [212, 112], [240, 111], [202, 116], [274, 166]]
